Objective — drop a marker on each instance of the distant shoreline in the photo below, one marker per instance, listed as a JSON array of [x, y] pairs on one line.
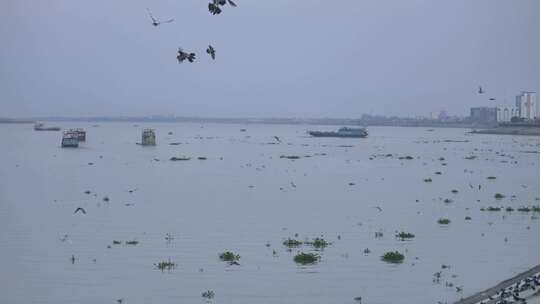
[[363, 121], [524, 131]]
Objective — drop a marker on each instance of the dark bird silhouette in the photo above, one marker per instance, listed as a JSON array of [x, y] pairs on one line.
[[211, 51], [80, 209], [214, 6], [277, 138], [378, 208], [492, 99], [155, 21], [181, 56], [480, 90]]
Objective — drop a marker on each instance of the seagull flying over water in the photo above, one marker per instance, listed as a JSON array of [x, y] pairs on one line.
[[80, 209], [155, 21], [211, 51]]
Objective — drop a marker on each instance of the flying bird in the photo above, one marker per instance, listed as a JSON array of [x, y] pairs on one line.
[[480, 90], [155, 21], [181, 56], [214, 6], [211, 51], [80, 209]]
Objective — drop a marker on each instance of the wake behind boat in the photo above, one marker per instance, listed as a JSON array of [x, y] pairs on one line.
[[342, 132]]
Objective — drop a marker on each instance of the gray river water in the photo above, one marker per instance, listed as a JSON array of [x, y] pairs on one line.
[[247, 199]]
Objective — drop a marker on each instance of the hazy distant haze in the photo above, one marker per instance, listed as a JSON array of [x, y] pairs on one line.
[[274, 58]]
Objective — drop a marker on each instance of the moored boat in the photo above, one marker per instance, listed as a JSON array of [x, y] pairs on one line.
[[39, 126], [80, 133], [342, 132], [148, 137], [70, 140]]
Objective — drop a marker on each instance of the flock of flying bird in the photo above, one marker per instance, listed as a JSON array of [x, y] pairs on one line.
[[214, 8], [481, 91]]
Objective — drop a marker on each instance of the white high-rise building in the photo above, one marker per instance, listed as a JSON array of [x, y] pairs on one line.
[[505, 114], [526, 105]]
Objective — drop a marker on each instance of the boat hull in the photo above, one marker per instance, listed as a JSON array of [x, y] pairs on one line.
[[335, 134], [47, 129]]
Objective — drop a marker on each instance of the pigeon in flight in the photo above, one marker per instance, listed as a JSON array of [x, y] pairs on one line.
[[181, 56], [214, 6], [155, 21], [211, 51], [80, 209]]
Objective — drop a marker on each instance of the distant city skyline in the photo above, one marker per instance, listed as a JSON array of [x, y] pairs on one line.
[[273, 58]]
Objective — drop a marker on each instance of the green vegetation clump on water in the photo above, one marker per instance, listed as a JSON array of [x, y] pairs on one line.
[[443, 221], [290, 156], [209, 294], [529, 209], [174, 158], [165, 265], [306, 258], [393, 257], [318, 243], [404, 235], [292, 243], [229, 256]]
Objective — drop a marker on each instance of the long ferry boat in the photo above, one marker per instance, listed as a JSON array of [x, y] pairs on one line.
[[342, 132], [39, 126]]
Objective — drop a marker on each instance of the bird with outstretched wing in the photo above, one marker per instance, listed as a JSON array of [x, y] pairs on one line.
[[211, 51], [80, 209]]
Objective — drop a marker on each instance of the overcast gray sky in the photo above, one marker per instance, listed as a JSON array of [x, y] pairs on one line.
[[288, 58]]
